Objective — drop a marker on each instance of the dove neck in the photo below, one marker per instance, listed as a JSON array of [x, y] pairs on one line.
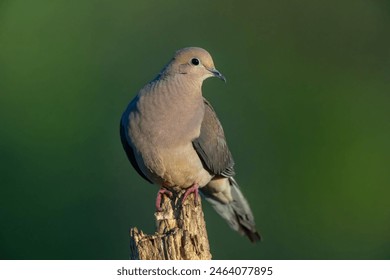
[[175, 106]]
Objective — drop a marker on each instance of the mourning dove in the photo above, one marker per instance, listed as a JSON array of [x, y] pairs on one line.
[[174, 139]]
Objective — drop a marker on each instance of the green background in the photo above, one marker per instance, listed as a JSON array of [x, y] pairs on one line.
[[305, 110]]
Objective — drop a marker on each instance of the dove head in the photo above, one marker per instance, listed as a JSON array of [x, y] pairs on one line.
[[195, 63]]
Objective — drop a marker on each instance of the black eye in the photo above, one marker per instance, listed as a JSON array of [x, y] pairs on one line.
[[195, 61]]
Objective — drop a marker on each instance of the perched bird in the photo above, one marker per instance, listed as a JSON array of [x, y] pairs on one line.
[[173, 138]]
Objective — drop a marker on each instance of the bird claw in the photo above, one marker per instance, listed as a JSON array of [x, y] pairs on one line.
[[159, 197], [193, 189]]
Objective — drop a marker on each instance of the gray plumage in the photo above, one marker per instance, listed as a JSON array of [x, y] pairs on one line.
[[173, 138]]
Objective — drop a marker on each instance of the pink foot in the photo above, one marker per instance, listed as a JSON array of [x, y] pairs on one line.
[[192, 189], [159, 196]]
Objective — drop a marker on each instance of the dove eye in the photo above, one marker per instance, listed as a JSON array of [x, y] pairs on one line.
[[195, 61]]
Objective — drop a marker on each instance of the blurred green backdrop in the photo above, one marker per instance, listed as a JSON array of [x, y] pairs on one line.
[[305, 110]]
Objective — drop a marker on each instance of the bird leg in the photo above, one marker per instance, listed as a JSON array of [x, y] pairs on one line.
[[193, 189], [159, 196]]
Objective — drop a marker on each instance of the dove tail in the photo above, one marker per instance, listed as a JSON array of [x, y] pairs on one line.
[[236, 211]]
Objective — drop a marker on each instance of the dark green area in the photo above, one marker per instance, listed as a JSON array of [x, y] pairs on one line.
[[306, 110]]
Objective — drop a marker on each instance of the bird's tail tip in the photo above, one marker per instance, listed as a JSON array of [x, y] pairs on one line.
[[254, 237], [237, 212]]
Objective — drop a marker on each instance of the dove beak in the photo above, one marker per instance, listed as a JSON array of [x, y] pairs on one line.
[[218, 74]]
